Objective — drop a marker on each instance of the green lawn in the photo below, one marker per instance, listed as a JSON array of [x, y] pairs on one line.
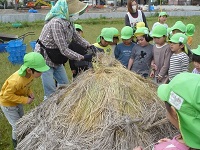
[[91, 27]]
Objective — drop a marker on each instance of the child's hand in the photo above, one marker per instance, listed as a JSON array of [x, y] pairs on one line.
[[138, 148], [30, 100], [73, 71], [32, 96], [159, 77], [163, 140], [152, 74], [154, 67]]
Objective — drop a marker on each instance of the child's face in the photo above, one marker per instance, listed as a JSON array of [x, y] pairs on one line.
[[141, 41], [173, 117], [127, 41], [196, 65], [162, 19], [176, 47], [176, 31], [159, 40], [104, 43], [35, 74], [115, 41]]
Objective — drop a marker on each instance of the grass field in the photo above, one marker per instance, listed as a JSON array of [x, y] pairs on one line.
[[91, 27]]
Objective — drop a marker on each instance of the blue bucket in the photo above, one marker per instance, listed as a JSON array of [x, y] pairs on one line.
[[32, 44], [151, 8], [3, 47]]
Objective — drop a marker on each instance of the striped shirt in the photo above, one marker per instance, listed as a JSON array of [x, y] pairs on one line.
[[58, 34], [178, 63]]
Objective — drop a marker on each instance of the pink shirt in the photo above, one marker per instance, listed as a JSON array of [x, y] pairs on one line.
[[171, 145]]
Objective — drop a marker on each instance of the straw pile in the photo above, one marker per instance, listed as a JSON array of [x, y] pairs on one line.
[[107, 107]]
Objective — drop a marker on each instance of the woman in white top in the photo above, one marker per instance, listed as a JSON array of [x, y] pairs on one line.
[[134, 15]]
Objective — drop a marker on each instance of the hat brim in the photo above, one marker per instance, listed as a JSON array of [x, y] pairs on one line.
[[173, 41], [156, 35], [163, 92], [76, 7], [108, 39], [196, 51], [126, 37], [42, 69]]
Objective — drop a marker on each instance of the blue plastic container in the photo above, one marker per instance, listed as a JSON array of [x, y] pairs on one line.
[[3, 47], [151, 8], [16, 54], [32, 44], [16, 50], [16, 59], [15, 43]]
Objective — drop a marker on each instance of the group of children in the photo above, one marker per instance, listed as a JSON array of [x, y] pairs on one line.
[[164, 60]]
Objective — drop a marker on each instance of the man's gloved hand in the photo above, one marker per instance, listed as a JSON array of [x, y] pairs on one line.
[[88, 57]]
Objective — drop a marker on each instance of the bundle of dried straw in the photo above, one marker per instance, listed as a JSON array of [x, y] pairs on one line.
[[107, 107]]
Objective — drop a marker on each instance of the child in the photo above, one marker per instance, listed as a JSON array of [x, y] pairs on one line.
[[142, 53], [115, 40], [179, 60], [162, 18], [104, 39], [16, 89], [181, 97], [190, 29], [161, 55], [196, 60], [178, 27], [78, 66], [123, 50]]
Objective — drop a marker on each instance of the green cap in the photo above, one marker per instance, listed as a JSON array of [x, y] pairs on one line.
[[107, 34], [126, 32], [33, 60], [159, 31], [115, 31], [196, 51], [78, 26], [179, 25], [141, 31], [162, 14], [182, 92], [190, 29], [178, 38]]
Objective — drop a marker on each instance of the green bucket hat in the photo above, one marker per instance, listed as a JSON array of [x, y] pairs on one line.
[[182, 92], [159, 31], [126, 32], [33, 60], [162, 14], [107, 34], [78, 26], [196, 51], [178, 38], [141, 31], [179, 25], [190, 29], [115, 31]]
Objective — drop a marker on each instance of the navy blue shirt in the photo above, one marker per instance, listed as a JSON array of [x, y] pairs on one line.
[[123, 53]]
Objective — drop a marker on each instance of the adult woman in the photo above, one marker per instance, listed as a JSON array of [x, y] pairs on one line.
[[134, 15], [56, 35]]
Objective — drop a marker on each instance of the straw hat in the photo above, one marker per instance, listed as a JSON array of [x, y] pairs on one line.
[[75, 6]]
